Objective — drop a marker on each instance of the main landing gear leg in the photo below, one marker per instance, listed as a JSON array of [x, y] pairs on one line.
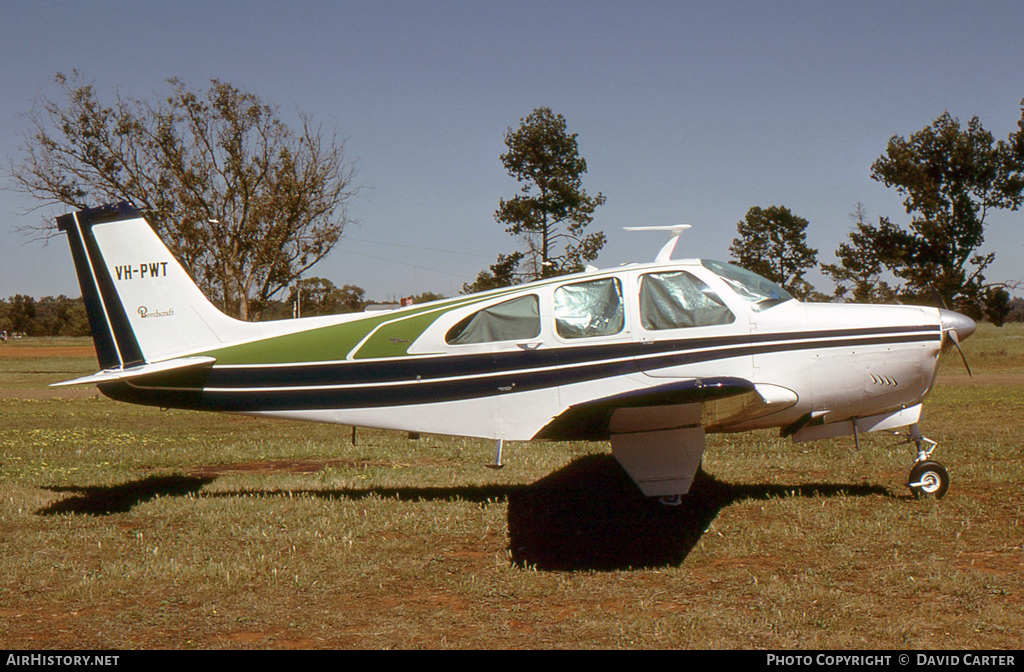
[[927, 478]]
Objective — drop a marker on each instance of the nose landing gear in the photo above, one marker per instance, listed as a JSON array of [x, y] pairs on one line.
[[927, 478]]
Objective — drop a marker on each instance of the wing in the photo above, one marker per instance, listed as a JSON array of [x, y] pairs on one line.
[[712, 403], [657, 434]]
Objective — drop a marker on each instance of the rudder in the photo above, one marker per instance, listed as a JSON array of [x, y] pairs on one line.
[[142, 305]]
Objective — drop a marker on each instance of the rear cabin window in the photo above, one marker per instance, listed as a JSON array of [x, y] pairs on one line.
[[588, 309], [679, 300], [513, 320]]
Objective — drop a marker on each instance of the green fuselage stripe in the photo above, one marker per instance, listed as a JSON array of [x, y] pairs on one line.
[[395, 332]]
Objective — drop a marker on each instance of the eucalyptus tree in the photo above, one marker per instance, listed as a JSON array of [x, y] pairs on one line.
[[245, 202], [860, 271]]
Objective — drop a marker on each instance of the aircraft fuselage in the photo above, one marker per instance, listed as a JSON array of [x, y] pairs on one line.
[[397, 370]]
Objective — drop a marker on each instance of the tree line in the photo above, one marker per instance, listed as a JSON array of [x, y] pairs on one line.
[[53, 316], [951, 177], [48, 316], [250, 206]]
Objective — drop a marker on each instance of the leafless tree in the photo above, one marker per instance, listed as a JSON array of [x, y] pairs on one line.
[[245, 203]]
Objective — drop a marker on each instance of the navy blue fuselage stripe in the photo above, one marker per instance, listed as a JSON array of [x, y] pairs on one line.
[[383, 391], [657, 354], [430, 367]]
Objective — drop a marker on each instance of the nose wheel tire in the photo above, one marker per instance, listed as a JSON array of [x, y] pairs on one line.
[[928, 480]]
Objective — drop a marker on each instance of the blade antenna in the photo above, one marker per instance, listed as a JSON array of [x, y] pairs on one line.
[[665, 254]]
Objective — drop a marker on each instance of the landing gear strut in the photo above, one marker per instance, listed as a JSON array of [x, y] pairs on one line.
[[927, 477]]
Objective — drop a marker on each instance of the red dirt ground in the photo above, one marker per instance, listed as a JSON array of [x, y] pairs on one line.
[[33, 351]]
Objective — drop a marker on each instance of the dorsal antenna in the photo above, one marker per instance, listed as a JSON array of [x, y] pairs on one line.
[[665, 254]]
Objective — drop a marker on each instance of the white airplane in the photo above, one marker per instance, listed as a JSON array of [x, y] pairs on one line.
[[651, 357]]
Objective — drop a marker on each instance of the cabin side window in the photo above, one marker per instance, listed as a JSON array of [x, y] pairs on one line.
[[513, 320], [678, 300], [587, 309]]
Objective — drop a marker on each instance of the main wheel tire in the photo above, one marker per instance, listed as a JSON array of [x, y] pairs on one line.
[[928, 480]]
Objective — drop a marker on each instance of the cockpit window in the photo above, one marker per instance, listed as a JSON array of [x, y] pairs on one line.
[[587, 309], [679, 300], [513, 320], [761, 292]]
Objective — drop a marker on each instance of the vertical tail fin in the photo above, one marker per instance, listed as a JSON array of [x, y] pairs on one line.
[[142, 305]]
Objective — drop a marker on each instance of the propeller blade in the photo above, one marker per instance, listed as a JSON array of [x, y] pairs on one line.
[[956, 342], [937, 298]]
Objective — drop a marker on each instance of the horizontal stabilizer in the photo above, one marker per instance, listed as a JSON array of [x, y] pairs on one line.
[[115, 375]]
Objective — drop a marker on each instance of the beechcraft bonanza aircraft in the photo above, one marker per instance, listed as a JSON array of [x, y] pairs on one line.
[[649, 356]]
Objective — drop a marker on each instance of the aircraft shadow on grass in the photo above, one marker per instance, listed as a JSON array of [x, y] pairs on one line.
[[588, 515], [98, 500]]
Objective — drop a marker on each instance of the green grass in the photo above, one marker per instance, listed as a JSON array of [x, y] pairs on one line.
[[131, 527]]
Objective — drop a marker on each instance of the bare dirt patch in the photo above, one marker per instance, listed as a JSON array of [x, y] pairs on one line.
[[982, 379], [55, 393], [38, 351]]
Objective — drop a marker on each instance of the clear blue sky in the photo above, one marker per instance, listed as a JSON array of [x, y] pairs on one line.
[[687, 112]]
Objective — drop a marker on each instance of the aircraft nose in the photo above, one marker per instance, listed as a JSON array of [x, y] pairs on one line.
[[953, 321]]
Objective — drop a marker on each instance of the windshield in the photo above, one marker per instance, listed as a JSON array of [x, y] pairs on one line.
[[761, 292]]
